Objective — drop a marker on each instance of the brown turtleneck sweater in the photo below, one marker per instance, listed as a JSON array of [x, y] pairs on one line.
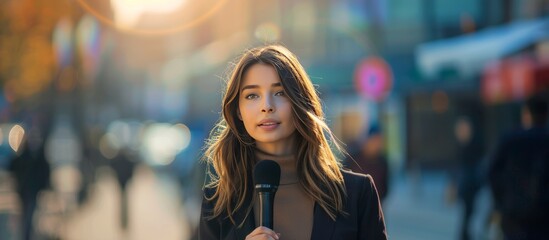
[[293, 208]]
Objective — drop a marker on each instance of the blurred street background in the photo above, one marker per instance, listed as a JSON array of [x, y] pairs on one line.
[[105, 104]]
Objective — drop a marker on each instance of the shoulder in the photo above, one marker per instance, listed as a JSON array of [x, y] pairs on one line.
[[358, 182], [362, 202], [353, 177]]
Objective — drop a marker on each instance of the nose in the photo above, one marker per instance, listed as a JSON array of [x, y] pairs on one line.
[[268, 105], [270, 110]]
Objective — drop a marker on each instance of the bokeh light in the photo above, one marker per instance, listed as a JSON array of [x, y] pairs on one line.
[[88, 39], [439, 101], [127, 13], [62, 42], [182, 136], [109, 145], [15, 138], [126, 18], [122, 132], [63, 146], [162, 142], [268, 32], [66, 179]]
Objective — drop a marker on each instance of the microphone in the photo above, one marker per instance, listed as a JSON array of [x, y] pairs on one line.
[[266, 179]]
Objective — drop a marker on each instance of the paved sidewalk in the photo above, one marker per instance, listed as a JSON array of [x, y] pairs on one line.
[[415, 209], [154, 208]]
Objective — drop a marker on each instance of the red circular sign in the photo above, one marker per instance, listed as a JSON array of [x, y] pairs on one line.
[[373, 78]]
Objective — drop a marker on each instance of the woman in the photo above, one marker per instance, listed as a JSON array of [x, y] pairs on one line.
[[271, 111]]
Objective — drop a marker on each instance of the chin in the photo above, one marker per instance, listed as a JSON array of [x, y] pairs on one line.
[[273, 139], [267, 140]]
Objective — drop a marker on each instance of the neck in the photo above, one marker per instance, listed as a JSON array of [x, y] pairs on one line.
[[274, 154], [281, 148], [287, 162]]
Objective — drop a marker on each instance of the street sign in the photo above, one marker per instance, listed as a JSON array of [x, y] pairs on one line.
[[373, 78]]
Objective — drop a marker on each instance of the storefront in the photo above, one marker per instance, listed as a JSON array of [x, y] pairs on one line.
[[484, 76]]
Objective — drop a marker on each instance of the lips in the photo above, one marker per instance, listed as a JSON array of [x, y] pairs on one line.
[[268, 123]]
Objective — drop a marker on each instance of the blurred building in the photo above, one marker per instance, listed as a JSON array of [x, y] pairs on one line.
[[167, 62]]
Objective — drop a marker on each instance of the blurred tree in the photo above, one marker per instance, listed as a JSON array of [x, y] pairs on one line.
[[27, 63]]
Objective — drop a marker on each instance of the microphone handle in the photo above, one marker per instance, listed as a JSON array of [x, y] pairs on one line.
[[266, 206]]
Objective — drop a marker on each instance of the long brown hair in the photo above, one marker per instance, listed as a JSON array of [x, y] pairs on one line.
[[230, 149]]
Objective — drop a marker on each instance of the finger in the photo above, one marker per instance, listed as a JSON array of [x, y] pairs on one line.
[[262, 233]]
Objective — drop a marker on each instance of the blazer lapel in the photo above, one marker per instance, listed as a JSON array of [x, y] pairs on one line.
[[248, 217], [323, 225]]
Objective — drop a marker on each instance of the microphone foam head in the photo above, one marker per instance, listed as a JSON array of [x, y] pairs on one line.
[[266, 175]]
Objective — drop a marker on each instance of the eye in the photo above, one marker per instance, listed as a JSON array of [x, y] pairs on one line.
[[280, 93], [251, 96]]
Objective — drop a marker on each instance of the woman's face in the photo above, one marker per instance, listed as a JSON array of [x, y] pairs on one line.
[[265, 108]]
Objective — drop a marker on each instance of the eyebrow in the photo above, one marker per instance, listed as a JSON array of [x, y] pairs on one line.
[[278, 84]]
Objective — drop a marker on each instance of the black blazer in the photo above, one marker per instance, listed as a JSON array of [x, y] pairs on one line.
[[364, 218]]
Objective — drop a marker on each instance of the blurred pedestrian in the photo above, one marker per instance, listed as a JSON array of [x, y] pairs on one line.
[[368, 157], [272, 111], [469, 181], [519, 176], [123, 165], [31, 172]]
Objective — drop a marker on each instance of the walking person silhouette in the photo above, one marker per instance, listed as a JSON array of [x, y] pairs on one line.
[[519, 176]]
